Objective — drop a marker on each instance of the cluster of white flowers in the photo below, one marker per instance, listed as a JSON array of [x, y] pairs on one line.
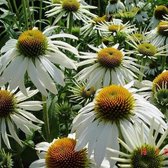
[[118, 109]]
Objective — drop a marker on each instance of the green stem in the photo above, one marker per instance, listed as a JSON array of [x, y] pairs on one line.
[[164, 58], [70, 23], [46, 119], [163, 62], [29, 14], [166, 113], [10, 6], [99, 8], [25, 13], [40, 14], [17, 14], [15, 6], [98, 37], [32, 4]]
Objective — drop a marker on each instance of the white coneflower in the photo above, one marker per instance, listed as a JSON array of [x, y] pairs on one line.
[[147, 49], [159, 34], [61, 153], [159, 13], [114, 6], [156, 91], [98, 124], [36, 53], [114, 27], [108, 65], [138, 35], [68, 8], [81, 95], [90, 27], [143, 149], [14, 114], [160, 91]]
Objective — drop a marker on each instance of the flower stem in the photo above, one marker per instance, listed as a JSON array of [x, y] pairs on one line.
[[99, 8], [10, 6], [29, 14], [46, 119], [70, 23], [24, 2], [40, 14], [163, 62], [17, 14], [15, 6], [32, 4], [98, 38], [164, 58]]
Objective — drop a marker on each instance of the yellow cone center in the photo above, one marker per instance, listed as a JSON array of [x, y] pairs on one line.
[[114, 103], [70, 5], [110, 57], [87, 93], [100, 19], [32, 43], [147, 49], [7, 103], [61, 154], [115, 28], [163, 28], [160, 11], [161, 81]]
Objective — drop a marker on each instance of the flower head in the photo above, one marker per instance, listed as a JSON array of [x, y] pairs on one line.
[[146, 49], [114, 103], [162, 28], [158, 15], [37, 53], [114, 107], [108, 65], [143, 149], [114, 27], [81, 95], [159, 34], [70, 5], [14, 114], [90, 27], [77, 8], [32, 43], [160, 11], [160, 91], [61, 153], [161, 81]]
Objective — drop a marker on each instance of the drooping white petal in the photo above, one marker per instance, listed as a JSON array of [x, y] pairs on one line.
[[32, 72], [57, 74], [45, 78], [4, 133]]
